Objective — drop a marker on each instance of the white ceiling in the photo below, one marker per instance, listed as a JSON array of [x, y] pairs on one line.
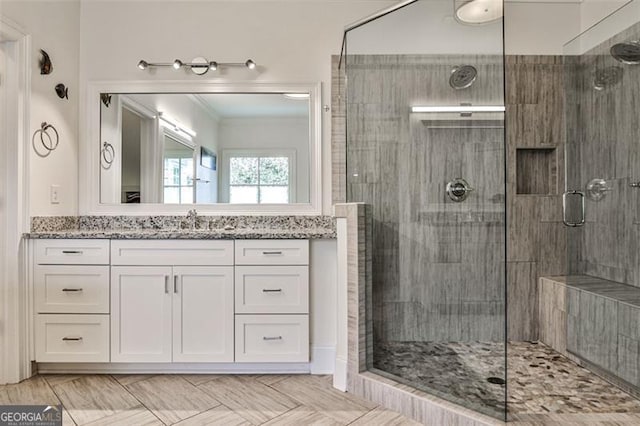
[[240, 105]]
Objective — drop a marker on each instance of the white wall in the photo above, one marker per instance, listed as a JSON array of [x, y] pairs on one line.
[[592, 11], [540, 28], [54, 27], [261, 133], [290, 41]]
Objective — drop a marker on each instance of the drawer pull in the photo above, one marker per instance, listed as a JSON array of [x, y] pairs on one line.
[[271, 253], [72, 339], [71, 251], [166, 284], [272, 290], [175, 283], [71, 289], [272, 338]]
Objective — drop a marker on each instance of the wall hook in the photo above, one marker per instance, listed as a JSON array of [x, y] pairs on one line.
[[106, 99], [45, 63], [62, 91]]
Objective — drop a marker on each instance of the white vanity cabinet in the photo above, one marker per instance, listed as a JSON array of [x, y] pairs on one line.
[[171, 301], [272, 301], [71, 300], [172, 313]]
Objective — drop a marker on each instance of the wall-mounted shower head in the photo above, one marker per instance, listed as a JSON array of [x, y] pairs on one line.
[[607, 77], [627, 53], [463, 77]]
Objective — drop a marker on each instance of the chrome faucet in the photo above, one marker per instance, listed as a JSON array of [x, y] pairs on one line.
[[192, 217]]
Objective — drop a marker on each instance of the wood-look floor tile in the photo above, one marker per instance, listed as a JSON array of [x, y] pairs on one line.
[[127, 379], [91, 398], [304, 416], [218, 416], [58, 379], [198, 379], [138, 416], [317, 393], [381, 416], [66, 419], [171, 398], [30, 391], [253, 400], [271, 379]]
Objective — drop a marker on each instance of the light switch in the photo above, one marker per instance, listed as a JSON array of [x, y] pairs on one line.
[[55, 194]]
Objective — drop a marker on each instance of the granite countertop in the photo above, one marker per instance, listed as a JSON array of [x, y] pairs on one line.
[[275, 234], [177, 227]]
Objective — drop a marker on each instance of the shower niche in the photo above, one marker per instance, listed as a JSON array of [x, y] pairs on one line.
[[536, 171]]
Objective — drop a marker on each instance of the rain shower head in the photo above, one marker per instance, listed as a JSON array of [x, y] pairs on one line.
[[463, 77], [627, 53]]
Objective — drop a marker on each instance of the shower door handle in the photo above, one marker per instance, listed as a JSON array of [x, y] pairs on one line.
[[564, 208]]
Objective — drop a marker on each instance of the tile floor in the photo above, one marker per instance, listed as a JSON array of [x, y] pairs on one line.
[[199, 400], [540, 380]]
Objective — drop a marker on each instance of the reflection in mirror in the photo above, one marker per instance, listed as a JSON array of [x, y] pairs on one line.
[[206, 148]]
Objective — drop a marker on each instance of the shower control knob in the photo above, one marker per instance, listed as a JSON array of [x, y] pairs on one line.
[[458, 190]]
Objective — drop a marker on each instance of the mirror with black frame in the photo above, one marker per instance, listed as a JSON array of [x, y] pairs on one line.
[[205, 148]]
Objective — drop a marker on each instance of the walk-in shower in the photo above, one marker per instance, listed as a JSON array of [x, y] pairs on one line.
[[483, 291], [425, 148]]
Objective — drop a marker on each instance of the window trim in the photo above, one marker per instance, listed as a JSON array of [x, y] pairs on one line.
[[227, 154], [177, 138]]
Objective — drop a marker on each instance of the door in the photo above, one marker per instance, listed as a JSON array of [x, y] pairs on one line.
[[203, 314], [3, 156], [141, 314]]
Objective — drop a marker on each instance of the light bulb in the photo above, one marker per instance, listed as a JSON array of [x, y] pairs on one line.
[[143, 65], [250, 64], [177, 64]]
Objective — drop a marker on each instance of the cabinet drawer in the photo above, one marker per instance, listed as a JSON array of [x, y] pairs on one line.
[[272, 338], [272, 252], [72, 252], [272, 289], [71, 289], [72, 338], [172, 252]]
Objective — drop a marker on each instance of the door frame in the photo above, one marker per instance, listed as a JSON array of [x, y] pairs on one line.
[[15, 309]]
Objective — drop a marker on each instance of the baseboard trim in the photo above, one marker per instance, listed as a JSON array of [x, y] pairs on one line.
[[174, 368], [323, 359], [340, 375]]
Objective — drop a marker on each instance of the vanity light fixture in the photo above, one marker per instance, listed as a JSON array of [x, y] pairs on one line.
[[170, 123], [198, 65], [459, 108]]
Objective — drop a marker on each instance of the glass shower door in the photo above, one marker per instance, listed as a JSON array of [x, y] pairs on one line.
[[603, 196], [425, 148]]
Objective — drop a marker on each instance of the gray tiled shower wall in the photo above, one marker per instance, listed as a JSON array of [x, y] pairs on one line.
[[439, 266], [604, 142]]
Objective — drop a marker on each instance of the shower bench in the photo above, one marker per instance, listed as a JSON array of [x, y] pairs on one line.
[[595, 322]]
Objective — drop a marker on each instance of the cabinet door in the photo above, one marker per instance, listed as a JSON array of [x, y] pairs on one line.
[[203, 314], [141, 314]]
